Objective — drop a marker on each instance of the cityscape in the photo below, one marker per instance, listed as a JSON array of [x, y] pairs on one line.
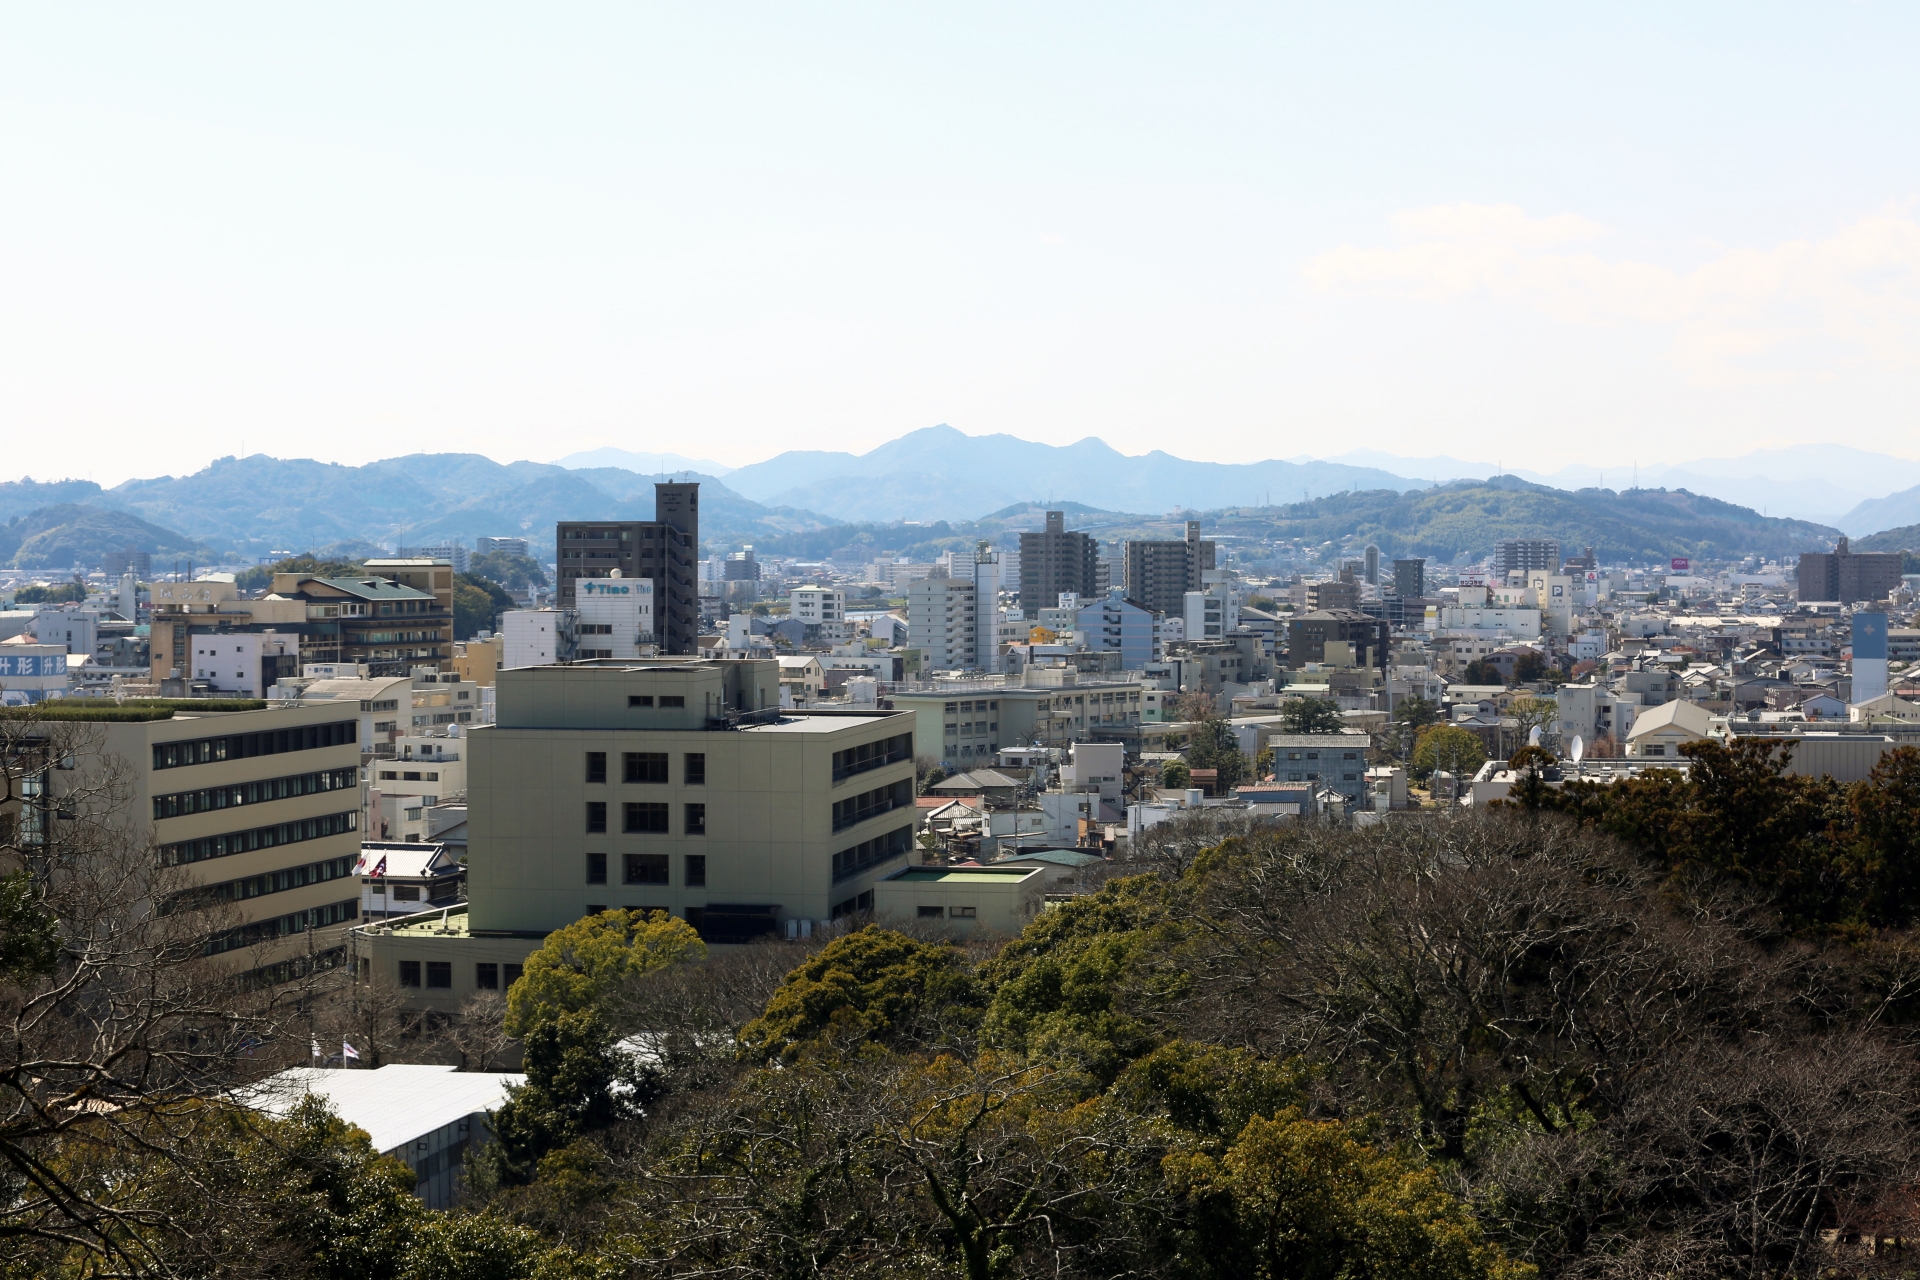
[[1413, 769]]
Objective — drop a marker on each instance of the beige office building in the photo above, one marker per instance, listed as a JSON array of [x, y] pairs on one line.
[[660, 784], [262, 807]]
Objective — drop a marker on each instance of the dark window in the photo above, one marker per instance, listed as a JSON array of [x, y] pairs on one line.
[[696, 869], [596, 815], [645, 868], [646, 766], [870, 853], [409, 973], [596, 868], [486, 976], [932, 913], [596, 766], [509, 974], [440, 973], [639, 699], [872, 755], [962, 913], [871, 804], [696, 820], [672, 700], [595, 908], [645, 818], [696, 769], [696, 916]]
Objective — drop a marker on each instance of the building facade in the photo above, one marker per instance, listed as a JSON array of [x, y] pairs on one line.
[[943, 623], [1055, 561], [1160, 573], [664, 550], [1849, 576]]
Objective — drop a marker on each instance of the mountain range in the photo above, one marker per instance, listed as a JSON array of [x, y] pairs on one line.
[[938, 473], [245, 508]]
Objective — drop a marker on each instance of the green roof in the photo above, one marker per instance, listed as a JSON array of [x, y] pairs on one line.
[[963, 875], [372, 587]]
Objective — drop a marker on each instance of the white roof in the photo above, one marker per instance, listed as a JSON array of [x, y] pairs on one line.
[[395, 1104], [404, 859]]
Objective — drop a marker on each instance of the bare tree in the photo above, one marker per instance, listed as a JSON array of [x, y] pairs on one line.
[[113, 1038]]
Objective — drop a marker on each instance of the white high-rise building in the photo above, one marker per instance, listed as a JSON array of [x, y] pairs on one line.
[[942, 623]]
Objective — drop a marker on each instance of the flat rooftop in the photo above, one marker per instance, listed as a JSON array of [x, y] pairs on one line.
[[963, 875], [801, 722]]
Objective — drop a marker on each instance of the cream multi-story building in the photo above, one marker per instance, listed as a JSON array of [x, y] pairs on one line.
[[259, 809], [942, 623], [665, 784]]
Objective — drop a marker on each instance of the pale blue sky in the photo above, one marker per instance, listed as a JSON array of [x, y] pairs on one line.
[[348, 232]]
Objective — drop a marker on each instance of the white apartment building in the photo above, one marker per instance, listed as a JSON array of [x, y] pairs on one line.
[[1212, 614], [823, 611], [536, 637], [942, 623], [243, 664], [613, 618]]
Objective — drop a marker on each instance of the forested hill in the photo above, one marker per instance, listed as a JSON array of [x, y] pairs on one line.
[[1469, 516]]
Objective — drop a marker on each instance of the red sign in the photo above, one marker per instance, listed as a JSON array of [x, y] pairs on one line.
[[1680, 564]]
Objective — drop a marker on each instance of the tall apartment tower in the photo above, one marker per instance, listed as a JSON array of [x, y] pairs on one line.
[[1054, 561], [1849, 576], [1160, 573], [1526, 554], [665, 549], [1372, 563], [1409, 578]]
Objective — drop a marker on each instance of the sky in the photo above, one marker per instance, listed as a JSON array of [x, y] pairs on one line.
[[1232, 232]]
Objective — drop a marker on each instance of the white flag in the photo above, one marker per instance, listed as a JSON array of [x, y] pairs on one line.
[[316, 1047], [346, 1051]]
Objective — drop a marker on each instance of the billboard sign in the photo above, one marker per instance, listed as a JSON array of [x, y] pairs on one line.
[[1680, 564]]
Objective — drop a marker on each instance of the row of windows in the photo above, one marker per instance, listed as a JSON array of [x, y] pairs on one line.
[[181, 803], [954, 913], [267, 742], [648, 868], [871, 804], [248, 935], [872, 755], [279, 881], [642, 818], [487, 974], [649, 766], [1315, 755], [871, 853], [222, 846], [647, 700]]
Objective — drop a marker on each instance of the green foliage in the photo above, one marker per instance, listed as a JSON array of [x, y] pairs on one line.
[[1211, 1090], [1311, 715], [578, 1083], [1471, 516], [1175, 776], [1215, 747], [1448, 747], [29, 934], [59, 593], [261, 575], [476, 603], [1482, 672], [875, 984], [1528, 667], [579, 963], [1310, 1200], [514, 572], [98, 710], [1057, 988]]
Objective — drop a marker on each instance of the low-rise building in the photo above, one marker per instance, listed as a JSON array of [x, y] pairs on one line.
[[964, 899], [1659, 732], [1332, 761]]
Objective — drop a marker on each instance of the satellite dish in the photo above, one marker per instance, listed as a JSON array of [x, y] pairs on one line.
[[1533, 736], [1578, 749]]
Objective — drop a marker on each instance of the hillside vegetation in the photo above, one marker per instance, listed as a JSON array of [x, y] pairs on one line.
[[1467, 517]]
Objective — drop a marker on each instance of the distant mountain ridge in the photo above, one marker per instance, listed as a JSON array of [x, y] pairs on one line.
[[938, 473], [252, 506]]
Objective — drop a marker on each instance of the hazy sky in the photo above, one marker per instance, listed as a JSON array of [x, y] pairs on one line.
[[1234, 232]]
